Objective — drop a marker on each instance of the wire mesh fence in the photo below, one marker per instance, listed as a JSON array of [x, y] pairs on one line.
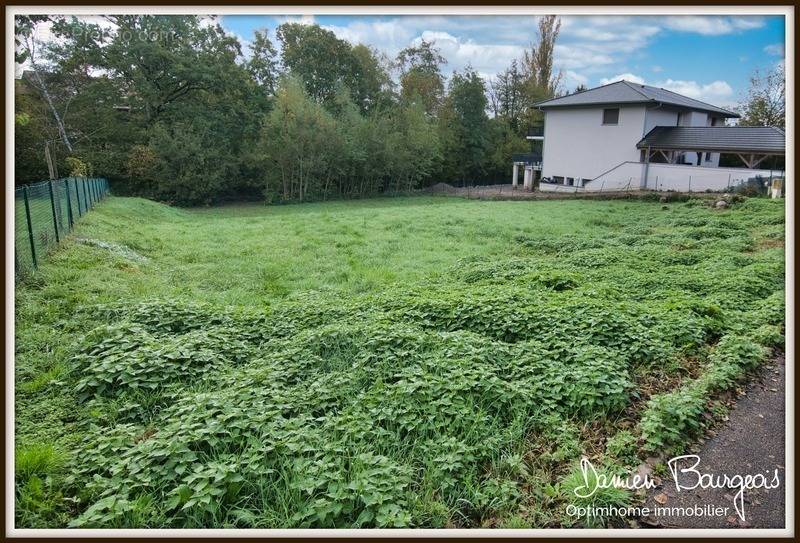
[[45, 212]]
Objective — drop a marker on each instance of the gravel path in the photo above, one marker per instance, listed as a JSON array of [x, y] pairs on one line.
[[750, 442]]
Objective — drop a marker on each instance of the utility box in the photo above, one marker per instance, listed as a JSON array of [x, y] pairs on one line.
[[777, 187]]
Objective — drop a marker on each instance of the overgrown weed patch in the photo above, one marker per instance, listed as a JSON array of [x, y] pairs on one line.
[[464, 396]]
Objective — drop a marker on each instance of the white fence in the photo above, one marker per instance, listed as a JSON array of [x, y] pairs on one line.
[[677, 177], [698, 179]]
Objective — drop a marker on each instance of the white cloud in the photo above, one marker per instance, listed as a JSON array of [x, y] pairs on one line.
[[589, 47], [391, 36], [627, 77], [592, 43], [574, 77], [300, 19], [575, 57], [485, 58], [716, 92], [775, 49], [712, 26]]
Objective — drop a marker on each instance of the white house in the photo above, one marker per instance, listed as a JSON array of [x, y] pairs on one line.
[[627, 136]]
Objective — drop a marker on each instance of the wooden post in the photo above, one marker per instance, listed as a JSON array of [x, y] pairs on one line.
[[50, 169]]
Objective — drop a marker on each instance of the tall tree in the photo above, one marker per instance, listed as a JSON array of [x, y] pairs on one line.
[[318, 58], [467, 98], [541, 82], [504, 141], [765, 104], [538, 61], [300, 139], [263, 64], [507, 94], [413, 147], [29, 49], [373, 87], [165, 59], [420, 75]]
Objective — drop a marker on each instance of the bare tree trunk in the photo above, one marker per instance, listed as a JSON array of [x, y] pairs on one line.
[[300, 188], [42, 87]]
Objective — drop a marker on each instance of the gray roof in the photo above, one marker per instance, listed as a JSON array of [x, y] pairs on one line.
[[752, 139], [625, 92]]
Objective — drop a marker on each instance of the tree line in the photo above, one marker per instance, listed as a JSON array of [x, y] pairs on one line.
[[174, 108]]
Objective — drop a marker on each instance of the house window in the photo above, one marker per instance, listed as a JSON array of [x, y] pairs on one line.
[[558, 179], [708, 157], [570, 181], [611, 116]]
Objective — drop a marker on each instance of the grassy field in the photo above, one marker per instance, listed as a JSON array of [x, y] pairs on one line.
[[423, 362]]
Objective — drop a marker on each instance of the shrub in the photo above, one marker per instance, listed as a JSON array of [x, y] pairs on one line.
[[671, 418], [76, 167]]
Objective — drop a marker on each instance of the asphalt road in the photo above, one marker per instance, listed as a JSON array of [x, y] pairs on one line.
[[752, 441]]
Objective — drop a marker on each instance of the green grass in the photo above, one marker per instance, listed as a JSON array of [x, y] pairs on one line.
[[388, 362]]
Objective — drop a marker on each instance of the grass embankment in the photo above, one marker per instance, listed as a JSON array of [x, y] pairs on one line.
[[404, 362]]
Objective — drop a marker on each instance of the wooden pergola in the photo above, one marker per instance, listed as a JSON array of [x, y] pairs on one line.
[[751, 144], [751, 160]]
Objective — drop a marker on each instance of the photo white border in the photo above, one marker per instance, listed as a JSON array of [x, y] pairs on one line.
[[787, 11]]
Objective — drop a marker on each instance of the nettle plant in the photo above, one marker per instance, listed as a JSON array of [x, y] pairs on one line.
[[447, 402]]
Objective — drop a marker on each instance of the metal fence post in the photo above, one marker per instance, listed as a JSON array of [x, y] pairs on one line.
[[53, 207], [30, 226], [69, 204], [78, 197], [85, 195]]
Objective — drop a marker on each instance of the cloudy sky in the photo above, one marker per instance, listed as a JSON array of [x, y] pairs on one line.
[[705, 57]]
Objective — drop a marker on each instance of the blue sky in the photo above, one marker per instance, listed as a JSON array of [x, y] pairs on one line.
[[705, 57]]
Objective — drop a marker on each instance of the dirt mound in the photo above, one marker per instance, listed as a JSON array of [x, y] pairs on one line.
[[442, 187]]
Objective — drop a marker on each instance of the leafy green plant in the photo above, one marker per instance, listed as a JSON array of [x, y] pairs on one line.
[[457, 390], [581, 490]]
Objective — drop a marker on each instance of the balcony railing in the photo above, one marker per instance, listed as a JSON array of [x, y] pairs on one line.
[[527, 158], [535, 132]]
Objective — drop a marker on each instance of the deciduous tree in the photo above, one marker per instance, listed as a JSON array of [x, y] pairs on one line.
[[765, 104]]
